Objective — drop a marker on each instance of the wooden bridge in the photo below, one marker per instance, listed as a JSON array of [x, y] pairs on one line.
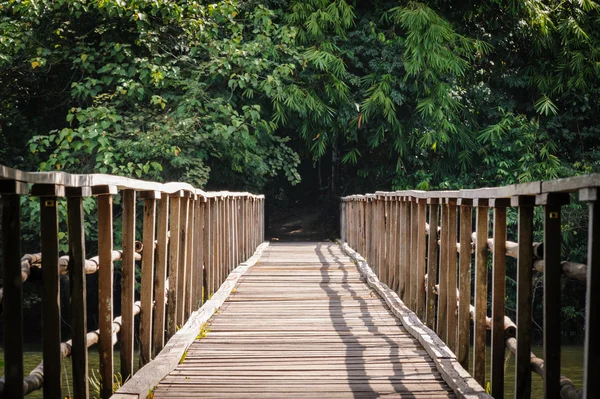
[[224, 314]]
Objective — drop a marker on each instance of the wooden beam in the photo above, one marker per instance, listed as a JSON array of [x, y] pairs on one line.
[[13, 294], [51, 318], [127, 283], [498, 298], [161, 275], [147, 297], [524, 295], [105, 293], [481, 260], [76, 230], [464, 283]]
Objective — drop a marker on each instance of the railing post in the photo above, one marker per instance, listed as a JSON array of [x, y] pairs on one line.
[[51, 319], [421, 204], [524, 273], [442, 315], [432, 259], [190, 279], [208, 248], [464, 281], [452, 275], [498, 295], [199, 232], [591, 366], [552, 203], [105, 286], [481, 262], [76, 232], [182, 259], [127, 283], [406, 249], [161, 274], [13, 286], [174, 231], [414, 241], [147, 298], [394, 244]]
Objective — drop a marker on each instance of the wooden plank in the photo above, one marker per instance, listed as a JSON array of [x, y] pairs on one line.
[[524, 296], [498, 296], [407, 252], [174, 242], [442, 319], [51, 318], [451, 314], [79, 351], [552, 286], [160, 277], [127, 283], [420, 261], [481, 261], [13, 295], [464, 318], [147, 297], [198, 255], [190, 280], [182, 261], [591, 365], [432, 259], [105, 292], [414, 242]]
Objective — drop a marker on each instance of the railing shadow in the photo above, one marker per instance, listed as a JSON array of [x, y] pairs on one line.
[[356, 364]]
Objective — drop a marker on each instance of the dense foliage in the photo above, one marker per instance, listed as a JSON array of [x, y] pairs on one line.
[[246, 94]]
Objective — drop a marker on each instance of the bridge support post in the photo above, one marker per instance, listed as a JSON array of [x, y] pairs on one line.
[[525, 206]]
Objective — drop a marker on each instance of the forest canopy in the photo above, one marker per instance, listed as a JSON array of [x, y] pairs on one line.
[[392, 94]]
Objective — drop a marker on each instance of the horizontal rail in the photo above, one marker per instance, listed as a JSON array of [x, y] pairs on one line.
[[190, 237], [391, 230]]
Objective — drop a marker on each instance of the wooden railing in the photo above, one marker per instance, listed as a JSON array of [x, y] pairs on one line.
[[191, 240], [397, 233]]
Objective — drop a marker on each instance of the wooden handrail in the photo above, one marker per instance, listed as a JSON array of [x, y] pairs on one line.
[[210, 234], [389, 230]]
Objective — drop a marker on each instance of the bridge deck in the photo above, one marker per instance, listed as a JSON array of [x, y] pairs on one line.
[[302, 323]]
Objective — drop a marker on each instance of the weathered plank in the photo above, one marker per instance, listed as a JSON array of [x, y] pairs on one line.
[[313, 329]]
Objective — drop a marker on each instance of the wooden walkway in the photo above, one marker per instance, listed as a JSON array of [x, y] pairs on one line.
[[303, 323]]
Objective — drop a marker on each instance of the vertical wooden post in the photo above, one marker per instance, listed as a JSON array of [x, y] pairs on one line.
[[76, 230], [394, 244], [51, 317], [402, 248], [105, 291], [147, 297], [407, 252], [161, 274], [591, 364], [190, 280], [127, 283], [524, 295], [420, 261], [174, 231], [481, 261], [13, 287], [414, 240], [464, 282], [198, 253], [552, 204], [442, 316], [383, 268], [208, 248], [451, 321], [498, 296], [432, 259], [182, 260]]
